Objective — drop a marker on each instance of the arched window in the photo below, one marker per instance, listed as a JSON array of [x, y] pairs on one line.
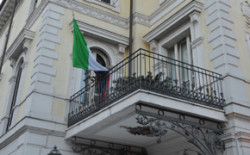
[[101, 58], [89, 76], [13, 97]]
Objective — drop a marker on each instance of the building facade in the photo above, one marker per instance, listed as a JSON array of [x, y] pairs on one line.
[[184, 89]]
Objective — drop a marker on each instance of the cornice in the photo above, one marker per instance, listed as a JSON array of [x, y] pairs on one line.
[[18, 43], [77, 6], [178, 17], [100, 33], [37, 12], [141, 19], [163, 10], [94, 12], [27, 124]]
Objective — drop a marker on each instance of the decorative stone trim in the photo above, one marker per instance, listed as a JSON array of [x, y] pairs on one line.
[[196, 42], [32, 124], [94, 12], [163, 10], [248, 41], [82, 8], [22, 41], [161, 1], [101, 34], [245, 8], [114, 4], [121, 48], [36, 13], [141, 19], [153, 45], [46, 54], [179, 16]]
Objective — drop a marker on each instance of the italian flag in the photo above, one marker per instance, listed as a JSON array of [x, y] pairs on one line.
[[82, 55]]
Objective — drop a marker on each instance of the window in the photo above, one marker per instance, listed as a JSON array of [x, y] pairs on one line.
[[106, 1], [180, 51], [15, 94], [33, 6], [88, 77], [110, 4]]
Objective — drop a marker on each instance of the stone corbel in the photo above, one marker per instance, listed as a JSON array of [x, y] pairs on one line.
[[12, 79], [26, 45], [196, 42], [153, 45], [12, 62], [121, 48]]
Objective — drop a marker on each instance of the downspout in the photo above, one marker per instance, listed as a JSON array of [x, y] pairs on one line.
[[130, 37], [7, 37]]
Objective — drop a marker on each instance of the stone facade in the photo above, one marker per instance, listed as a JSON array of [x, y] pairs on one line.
[[34, 114]]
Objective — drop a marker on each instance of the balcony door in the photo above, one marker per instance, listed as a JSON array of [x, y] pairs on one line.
[[178, 70], [88, 78]]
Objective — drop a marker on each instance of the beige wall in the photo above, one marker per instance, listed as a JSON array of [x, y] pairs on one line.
[[63, 64]]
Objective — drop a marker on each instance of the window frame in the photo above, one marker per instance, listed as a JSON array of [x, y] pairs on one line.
[[113, 5], [14, 91]]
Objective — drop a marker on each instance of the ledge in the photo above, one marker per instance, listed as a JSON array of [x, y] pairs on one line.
[[102, 34]]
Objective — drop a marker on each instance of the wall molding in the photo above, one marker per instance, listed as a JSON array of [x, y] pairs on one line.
[[27, 124], [94, 12], [177, 18], [115, 4], [100, 33], [19, 43]]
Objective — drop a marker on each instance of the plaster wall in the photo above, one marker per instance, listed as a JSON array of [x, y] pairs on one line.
[[19, 20]]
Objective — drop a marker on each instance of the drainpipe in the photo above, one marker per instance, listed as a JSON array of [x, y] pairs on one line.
[[7, 36], [130, 37]]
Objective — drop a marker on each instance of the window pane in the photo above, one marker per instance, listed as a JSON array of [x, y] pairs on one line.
[[171, 68], [100, 60], [183, 52], [106, 1], [14, 97]]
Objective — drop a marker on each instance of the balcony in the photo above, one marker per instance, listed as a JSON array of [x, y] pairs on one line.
[[149, 73]]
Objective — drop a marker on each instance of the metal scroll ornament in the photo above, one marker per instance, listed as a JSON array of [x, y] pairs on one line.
[[206, 140]]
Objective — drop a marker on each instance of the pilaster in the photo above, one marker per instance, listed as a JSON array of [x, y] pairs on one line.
[[40, 100], [196, 43], [224, 54], [225, 58]]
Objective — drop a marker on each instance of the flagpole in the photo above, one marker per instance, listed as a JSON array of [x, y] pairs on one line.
[[7, 37], [130, 37]]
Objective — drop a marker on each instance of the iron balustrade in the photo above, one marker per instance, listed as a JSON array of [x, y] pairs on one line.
[[152, 72]]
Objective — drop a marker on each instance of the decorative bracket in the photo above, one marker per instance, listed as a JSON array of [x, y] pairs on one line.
[[202, 133]]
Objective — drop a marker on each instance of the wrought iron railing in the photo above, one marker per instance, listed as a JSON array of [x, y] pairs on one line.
[[152, 72]]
